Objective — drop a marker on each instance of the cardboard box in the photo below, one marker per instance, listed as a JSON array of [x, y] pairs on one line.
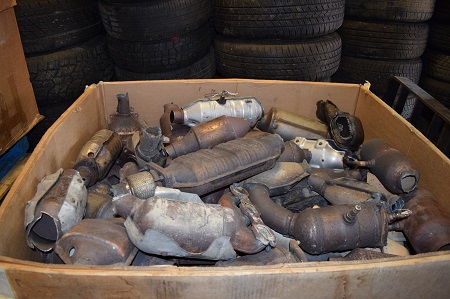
[[18, 109], [21, 275]]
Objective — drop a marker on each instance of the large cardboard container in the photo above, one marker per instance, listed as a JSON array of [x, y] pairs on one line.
[[23, 276], [18, 109]]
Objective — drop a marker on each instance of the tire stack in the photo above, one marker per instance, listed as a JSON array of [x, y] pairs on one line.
[[158, 39], [64, 50], [436, 60], [381, 39], [277, 39]]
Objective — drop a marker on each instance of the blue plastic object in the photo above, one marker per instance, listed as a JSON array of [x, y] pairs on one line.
[[12, 156]]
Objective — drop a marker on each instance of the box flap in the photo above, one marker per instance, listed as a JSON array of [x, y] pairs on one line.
[[18, 109], [5, 4]]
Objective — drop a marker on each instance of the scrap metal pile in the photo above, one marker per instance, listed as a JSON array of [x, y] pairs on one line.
[[221, 184]]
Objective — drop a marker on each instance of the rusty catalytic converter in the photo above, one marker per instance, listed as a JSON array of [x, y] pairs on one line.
[[327, 229], [96, 242], [204, 110], [323, 153], [99, 202], [123, 122], [428, 227], [208, 170], [290, 125], [59, 203], [97, 156], [148, 146], [346, 129], [349, 189], [396, 172], [185, 228], [208, 135]]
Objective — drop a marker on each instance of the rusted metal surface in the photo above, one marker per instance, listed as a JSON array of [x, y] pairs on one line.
[[290, 125], [428, 227], [207, 170], [360, 254], [325, 229], [244, 240], [293, 153], [346, 130], [98, 155], [396, 172], [165, 121], [341, 227], [208, 135], [150, 147], [180, 228], [281, 178], [204, 110], [262, 233], [59, 204], [96, 242], [99, 202], [324, 153], [123, 122], [347, 190]]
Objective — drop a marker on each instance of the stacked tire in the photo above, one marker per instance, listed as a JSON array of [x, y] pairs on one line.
[[159, 39], [277, 39], [381, 39], [436, 60], [64, 50]]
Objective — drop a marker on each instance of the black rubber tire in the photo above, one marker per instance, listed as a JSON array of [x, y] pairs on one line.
[[440, 90], [48, 25], [377, 72], [439, 36], [311, 59], [63, 75], [442, 10], [437, 65], [395, 10], [153, 20], [201, 69], [265, 19], [387, 40], [160, 56]]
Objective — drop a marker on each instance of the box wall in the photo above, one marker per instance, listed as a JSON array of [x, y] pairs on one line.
[[63, 139], [380, 121]]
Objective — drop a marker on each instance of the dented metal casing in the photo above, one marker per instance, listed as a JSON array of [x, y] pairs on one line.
[[396, 172], [290, 125], [324, 153], [208, 135], [123, 122], [179, 228], [428, 227], [208, 170], [97, 242], [204, 110], [98, 155], [345, 129], [59, 203]]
